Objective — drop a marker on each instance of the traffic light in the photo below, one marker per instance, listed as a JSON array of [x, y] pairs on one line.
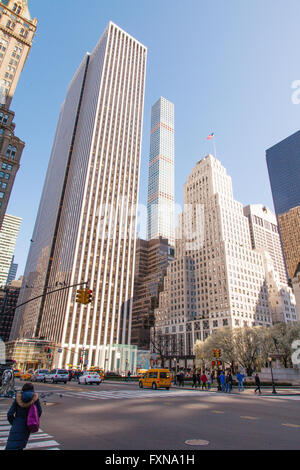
[[80, 296], [213, 363], [84, 296], [217, 352], [219, 363]]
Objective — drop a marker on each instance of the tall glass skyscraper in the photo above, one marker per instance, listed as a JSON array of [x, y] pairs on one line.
[[86, 223], [160, 209], [283, 160]]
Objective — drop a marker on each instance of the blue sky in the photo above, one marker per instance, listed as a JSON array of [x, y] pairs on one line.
[[227, 65]]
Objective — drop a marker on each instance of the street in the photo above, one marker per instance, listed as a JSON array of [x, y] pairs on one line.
[[120, 416]]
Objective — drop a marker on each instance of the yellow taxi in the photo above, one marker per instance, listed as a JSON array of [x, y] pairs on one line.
[[26, 375], [156, 378]]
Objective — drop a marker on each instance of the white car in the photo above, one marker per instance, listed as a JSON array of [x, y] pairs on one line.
[[89, 378], [57, 375]]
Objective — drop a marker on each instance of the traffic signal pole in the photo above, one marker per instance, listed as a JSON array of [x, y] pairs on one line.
[[44, 295]]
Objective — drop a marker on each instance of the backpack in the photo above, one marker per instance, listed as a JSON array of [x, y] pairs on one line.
[[33, 420]]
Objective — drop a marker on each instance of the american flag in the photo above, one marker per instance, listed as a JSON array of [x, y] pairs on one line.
[[210, 136]]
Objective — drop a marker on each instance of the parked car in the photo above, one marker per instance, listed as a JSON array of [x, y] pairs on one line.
[[89, 378], [39, 375], [57, 375]]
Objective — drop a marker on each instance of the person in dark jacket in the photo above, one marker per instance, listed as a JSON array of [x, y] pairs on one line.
[[194, 379], [257, 383], [229, 382], [17, 417]]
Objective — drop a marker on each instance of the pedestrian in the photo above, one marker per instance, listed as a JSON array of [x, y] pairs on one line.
[[128, 376], [198, 378], [194, 377], [229, 382], [17, 417], [212, 377], [181, 379], [222, 381], [240, 377], [209, 381], [178, 379], [203, 380], [258, 384]]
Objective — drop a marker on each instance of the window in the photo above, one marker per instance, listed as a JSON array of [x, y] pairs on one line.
[[17, 8], [1, 195], [4, 185], [1, 174], [7, 176], [11, 152]]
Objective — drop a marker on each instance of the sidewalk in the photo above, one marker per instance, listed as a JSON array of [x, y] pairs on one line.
[[266, 390]]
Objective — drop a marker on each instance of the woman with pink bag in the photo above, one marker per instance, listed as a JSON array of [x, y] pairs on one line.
[[24, 416]]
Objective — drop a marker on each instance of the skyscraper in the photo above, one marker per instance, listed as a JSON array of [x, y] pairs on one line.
[[12, 271], [160, 209], [86, 224], [152, 260], [8, 238], [217, 279], [17, 29], [265, 239], [265, 235], [283, 160], [289, 224]]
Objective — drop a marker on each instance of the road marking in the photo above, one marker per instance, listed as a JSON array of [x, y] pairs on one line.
[[140, 393], [39, 440], [249, 417], [218, 412], [291, 425], [197, 442]]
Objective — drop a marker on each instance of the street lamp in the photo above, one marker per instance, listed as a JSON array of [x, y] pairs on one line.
[[273, 384]]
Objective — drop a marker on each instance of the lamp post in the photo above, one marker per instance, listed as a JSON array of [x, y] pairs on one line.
[[273, 384]]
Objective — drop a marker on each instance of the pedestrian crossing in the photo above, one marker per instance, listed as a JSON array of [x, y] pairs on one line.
[[38, 441], [129, 394]]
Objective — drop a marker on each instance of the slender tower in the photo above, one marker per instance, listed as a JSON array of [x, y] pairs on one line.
[[161, 172], [86, 223]]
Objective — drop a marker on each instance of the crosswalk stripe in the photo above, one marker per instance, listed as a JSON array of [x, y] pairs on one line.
[[37, 445], [37, 440], [32, 438], [118, 394]]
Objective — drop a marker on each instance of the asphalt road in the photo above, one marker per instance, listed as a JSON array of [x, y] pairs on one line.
[[119, 416]]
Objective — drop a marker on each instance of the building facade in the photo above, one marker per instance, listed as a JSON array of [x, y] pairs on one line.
[[8, 301], [217, 279], [152, 260], [264, 234], [283, 160], [8, 238], [160, 208], [289, 224], [296, 287], [17, 30], [265, 239], [12, 271], [86, 223]]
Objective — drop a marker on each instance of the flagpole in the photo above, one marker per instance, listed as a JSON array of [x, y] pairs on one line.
[[214, 143]]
